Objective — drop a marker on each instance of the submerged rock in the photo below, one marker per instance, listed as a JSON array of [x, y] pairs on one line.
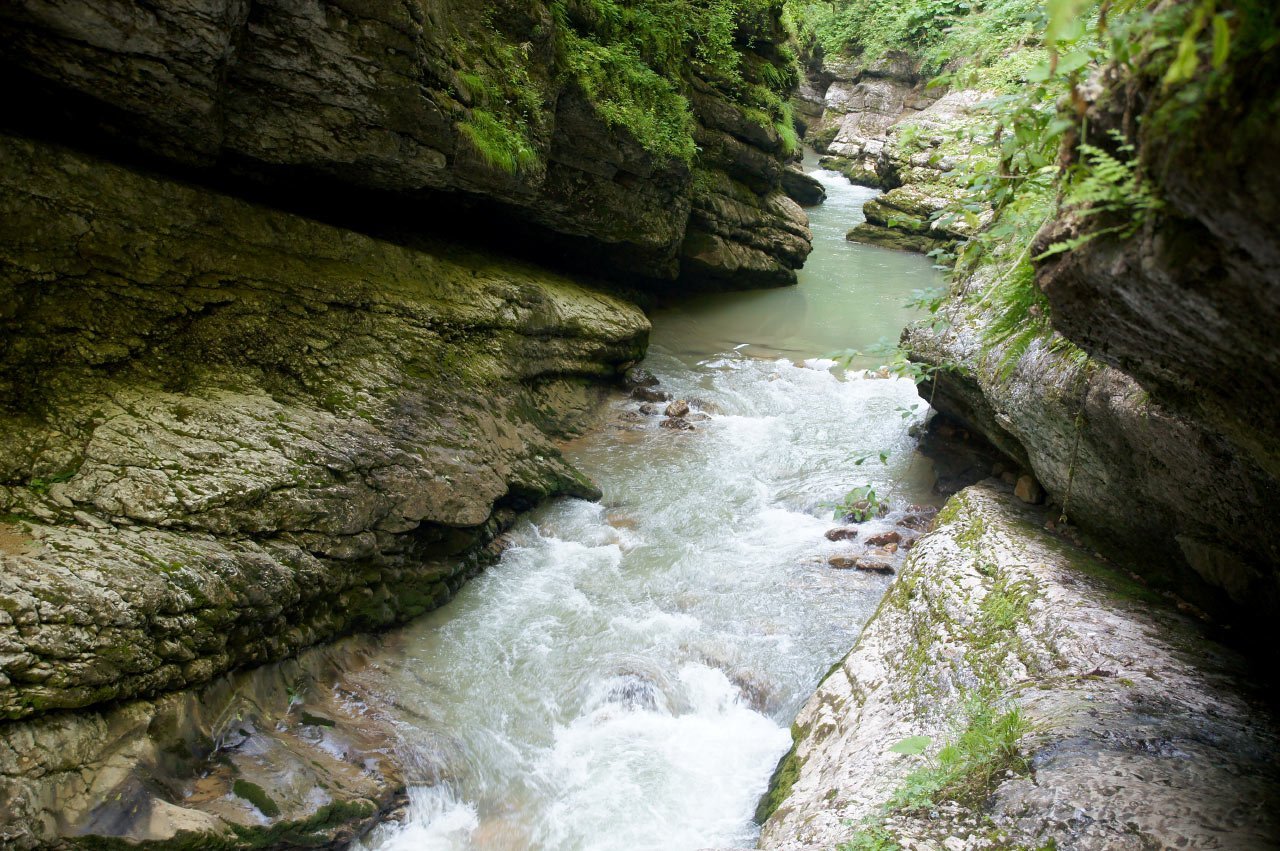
[[1125, 710], [842, 533]]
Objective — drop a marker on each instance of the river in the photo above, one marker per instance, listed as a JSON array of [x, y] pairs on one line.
[[625, 676]]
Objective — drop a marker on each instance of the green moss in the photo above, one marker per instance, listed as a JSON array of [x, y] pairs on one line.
[[784, 777], [310, 832], [256, 795]]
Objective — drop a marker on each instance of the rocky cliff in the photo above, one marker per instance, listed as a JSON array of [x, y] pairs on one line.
[[257, 393], [531, 116], [880, 125], [267, 430], [227, 433], [1137, 387]]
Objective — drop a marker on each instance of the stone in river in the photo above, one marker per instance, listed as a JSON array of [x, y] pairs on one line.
[[648, 394], [678, 408], [841, 533], [873, 565], [637, 377], [884, 538]]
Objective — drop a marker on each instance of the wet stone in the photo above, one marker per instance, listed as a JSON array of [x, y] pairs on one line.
[[649, 394], [884, 538], [873, 565], [676, 424], [637, 377], [841, 533], [678, 408]]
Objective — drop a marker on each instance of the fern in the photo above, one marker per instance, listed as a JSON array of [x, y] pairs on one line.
[[1106, 183]]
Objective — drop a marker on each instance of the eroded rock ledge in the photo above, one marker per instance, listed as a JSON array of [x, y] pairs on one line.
[[299, 754], [1153, 482], [316, 99], [1128, 714], [227, 433]]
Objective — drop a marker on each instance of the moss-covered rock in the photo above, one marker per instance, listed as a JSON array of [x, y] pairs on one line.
[[567, 126], [1165, 488], [229, 433], [1121, 708]]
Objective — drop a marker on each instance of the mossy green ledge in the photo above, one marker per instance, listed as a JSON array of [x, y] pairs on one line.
[[1130, 712], [228, 433]]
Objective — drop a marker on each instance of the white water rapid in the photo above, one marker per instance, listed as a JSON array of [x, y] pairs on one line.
[[625, 677]]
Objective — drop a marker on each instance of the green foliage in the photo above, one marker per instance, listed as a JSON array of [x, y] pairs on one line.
[[40, 486], [860, 505], [1106, 183], [507, 106], [912, 745], [498, 143], [256, 795], [966, 770], [937, 31], [632, 60]]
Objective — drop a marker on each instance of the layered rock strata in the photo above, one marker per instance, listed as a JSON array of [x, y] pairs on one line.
[[1119, 712], [317, 99], [880, 126], [229, 432]]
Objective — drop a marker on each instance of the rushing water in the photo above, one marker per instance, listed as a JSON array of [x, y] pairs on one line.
[[625, 677]]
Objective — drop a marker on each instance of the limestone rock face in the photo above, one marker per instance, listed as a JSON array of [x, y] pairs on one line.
[[316, 99], [1128, 713], [1149, 479], [227, 433]]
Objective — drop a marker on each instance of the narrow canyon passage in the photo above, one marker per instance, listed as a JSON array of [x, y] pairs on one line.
[[626, 676]]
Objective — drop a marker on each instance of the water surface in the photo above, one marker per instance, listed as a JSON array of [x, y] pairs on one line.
[[626, 676]]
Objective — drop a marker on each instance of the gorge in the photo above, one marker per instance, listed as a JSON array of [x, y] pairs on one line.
[[421, 424]]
